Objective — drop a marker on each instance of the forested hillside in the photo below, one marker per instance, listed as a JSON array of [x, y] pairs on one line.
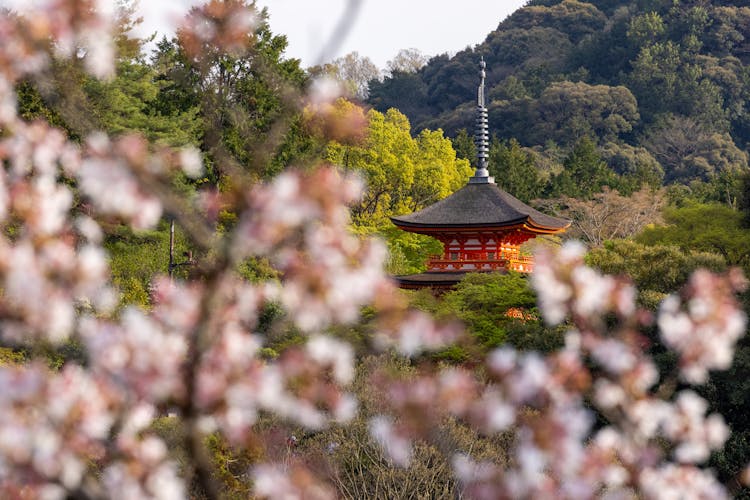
[[660, 86]]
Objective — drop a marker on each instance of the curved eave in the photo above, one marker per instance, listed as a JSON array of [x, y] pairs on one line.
[[524, 224], [430, 279], [437, 280]]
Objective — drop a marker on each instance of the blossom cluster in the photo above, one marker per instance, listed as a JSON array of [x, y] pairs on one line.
[[704, 327], [654, 440]]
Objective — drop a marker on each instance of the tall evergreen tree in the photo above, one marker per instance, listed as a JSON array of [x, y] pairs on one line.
[[514, 170], [241, 96], [584, 173], [464, 145]]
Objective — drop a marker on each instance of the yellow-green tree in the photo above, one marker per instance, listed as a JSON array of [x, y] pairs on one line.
[[403, 174]]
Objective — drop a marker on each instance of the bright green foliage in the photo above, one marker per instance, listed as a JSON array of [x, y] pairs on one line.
[[403, 174], [231, 465], [437, 171], [129, 104], [387, 162], [10, 356], [704, 227], [514, 170], [257, 270], [408, 252], [482, 301], [135, 258], [656, 270]]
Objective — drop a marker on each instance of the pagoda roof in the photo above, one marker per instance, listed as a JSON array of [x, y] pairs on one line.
[[480, 206], [430, 279]]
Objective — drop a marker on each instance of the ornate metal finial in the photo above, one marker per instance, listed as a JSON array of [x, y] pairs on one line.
[[482, 134], [482, 76]]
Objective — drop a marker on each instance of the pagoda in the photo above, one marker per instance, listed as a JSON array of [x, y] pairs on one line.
[[480, 226]]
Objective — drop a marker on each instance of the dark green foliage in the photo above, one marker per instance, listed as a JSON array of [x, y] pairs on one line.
[[584, 173], [729, 394], [607, 54], [31, 106], [238, 100], [744, 198], [514, 170], [728, 463], [658, 270], [574, 18], [566, 112], [688, 150], [129, 104], [404, 91], [537, 49], [482, 301], [670, 77], [725, 188], [635, 166], [464, 145], [178, 87]]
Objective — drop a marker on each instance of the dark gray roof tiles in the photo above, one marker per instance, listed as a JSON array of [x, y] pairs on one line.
[[479, 205]]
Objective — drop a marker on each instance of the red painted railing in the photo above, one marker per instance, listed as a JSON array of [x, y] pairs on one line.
[[523, 264]]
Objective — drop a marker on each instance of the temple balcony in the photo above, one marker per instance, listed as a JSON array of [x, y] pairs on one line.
[[521, 264]]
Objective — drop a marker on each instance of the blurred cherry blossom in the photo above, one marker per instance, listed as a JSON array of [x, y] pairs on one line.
[[197, 353]]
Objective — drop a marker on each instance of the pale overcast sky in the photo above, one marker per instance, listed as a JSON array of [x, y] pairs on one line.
[[381, 29]]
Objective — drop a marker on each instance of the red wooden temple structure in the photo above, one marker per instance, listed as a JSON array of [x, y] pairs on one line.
[[480, 226]]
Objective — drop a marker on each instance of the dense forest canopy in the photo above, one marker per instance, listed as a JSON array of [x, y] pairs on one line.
[[669, 79]]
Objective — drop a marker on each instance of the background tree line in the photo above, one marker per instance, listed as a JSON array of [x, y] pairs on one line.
[[657, 86]]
